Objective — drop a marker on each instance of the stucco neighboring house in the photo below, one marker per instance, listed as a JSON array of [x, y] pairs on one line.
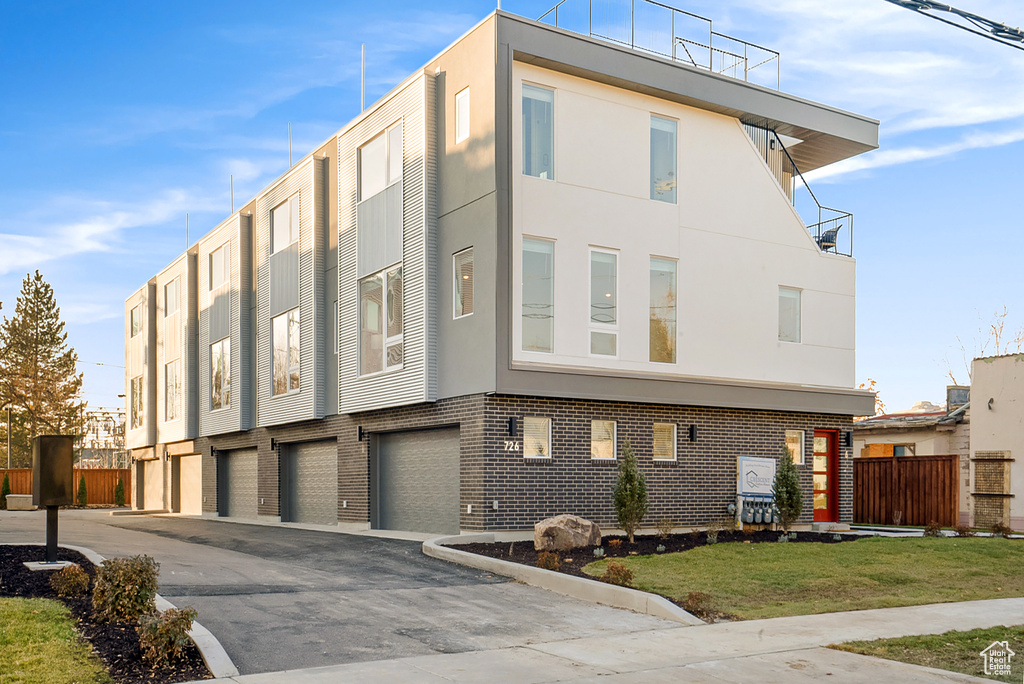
[[997, 438]]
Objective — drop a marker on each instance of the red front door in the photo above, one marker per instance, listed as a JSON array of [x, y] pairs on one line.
[[826, 476]]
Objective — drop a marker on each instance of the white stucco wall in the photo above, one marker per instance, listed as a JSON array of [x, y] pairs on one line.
[[735, 235], [997, 419]]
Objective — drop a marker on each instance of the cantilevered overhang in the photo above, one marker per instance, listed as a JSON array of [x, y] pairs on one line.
[[829, 135]]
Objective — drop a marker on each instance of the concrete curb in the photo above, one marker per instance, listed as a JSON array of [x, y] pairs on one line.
[[576, 587], [214, 655]]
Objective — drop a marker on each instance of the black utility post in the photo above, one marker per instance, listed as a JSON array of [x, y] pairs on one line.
[[52, 482]]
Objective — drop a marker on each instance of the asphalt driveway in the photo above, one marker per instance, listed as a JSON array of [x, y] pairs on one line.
[[282, 598]]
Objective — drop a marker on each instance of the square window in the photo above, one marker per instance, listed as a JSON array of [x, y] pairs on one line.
[[538, 132], [462, 287], [663, 159], [795, 445], [461, 115], [602, 439], [380, 162], [171, 298], [789, 314], [664, 441], [536, 437]]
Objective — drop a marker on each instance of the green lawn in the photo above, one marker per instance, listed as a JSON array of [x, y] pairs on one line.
[[39, 645], [766, 580], [956, 651]]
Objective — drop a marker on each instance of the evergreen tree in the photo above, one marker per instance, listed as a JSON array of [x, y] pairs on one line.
[[83, 496], [38, 370], [630, 492], [119, 493], [789, 498], [5, 489]]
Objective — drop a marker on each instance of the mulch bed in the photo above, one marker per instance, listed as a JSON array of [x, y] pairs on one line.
[[572, 562], [115, 643]]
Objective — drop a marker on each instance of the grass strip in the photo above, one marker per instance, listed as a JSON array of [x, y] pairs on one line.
[[40, 645]]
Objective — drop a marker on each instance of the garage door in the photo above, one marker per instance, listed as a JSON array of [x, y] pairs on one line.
[[239, 492], [417, 481], [187, 484], [311, 483]]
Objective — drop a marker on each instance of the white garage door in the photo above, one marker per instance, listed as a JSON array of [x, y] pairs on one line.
[[417, 481], [311, 483], [238, 468]]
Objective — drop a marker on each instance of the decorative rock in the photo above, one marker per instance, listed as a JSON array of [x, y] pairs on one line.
[[565, 532]]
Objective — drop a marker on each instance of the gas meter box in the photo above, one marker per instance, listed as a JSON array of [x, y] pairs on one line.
[[755, 498]]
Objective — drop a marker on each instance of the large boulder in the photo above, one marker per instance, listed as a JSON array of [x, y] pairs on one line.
[[565, 532]]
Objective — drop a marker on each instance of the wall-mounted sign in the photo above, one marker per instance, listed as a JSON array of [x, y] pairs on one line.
[[756, 476]]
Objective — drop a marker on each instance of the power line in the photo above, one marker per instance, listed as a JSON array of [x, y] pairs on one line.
[[976, 24]]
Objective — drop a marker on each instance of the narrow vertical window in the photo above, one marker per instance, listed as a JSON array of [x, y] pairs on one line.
[[137, 402], [538, 295], [136, 320], [396, 159], [795, 445], [603, 303], [663, 159], [285, 333], [371, 329], [462, 287], [602, 439], [172, 391], [538, 132], [663, 311], [789, 314], [394, 351], [220, 374], [461, 115], [664, 448], [171, 298], [284, 224], [220, 266], [536, 437]]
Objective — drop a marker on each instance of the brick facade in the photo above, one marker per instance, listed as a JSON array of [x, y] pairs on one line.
[[692, 490]]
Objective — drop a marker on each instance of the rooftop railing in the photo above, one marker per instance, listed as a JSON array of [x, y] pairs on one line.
[[657, 28]]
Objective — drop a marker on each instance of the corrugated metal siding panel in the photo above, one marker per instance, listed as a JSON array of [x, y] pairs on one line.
[[190, 392], [324, 309], [220, 313], [245, 354], [284, 280], [371, 231], [407, 385], [299, 405], [432, 311]]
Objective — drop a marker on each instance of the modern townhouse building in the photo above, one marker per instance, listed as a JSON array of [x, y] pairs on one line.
[[454, 313]]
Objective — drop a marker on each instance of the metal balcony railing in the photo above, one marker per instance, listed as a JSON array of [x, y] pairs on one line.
[[657, 28], [831, 228]]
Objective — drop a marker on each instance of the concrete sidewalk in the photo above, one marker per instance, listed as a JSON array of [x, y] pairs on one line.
[[776, 650]]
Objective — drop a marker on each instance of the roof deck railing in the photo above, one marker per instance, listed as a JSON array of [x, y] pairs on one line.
[[657, 28]]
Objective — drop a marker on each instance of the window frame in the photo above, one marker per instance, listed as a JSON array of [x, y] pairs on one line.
[[595, 326], [137, 417], [382, 277], [293, 223], [675, 308], [223, 252], [288, 368], [455, 284], [675, 443], [176, 282], [176, 404], [522, 96], [225, 386], [798, 459], [462, 107], [615, 440], [799, 314], [675, 159], [135, 325], [386, 135], [540, 456], [522, 294]]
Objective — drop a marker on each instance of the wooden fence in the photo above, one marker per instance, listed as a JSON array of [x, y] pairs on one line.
[[99, 483], [922, 489]]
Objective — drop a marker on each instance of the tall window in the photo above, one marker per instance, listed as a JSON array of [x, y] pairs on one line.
[[536, 437], [663, 159], [171, 298], [462, 267], [220, 266], [284, 224], [664, 441], [137, 402], [538, 132], [663, 310], [795, 445], [602, 439], [789, 314], [380, 321], [380, 162], [461, 115], [136, 320], [285, 331], [603, 303], [220, 374], [172, 390], [538, 295]]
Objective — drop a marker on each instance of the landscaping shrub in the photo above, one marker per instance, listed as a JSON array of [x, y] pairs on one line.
[[5, 489], [1001, 529], [70, 581], [660, 548], [548, 560], [599, 552], [83, 497], [125, 588], [665, 527], [964, 531], [163, 637], [615, 544], [714, 527], [617, 573], [699, 603], [933, 529], [119, 493], [789, 498], [630, 493]]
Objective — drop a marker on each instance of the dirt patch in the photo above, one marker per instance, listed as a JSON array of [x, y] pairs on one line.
[[115, 643]]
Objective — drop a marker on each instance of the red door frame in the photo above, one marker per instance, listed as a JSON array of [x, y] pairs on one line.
[[831, 513]]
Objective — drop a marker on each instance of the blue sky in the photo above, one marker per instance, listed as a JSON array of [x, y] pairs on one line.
[[117, 118]]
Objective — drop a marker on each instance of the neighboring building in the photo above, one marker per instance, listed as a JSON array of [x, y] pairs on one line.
[[451, 314], [997, 438]]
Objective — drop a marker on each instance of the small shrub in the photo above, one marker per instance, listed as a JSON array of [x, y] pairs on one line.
[[714, 527], [1001, 529], [617, 573], [660, 548], [897, 518], [665, 527], [125, 588], [615, 544], [5, 489], [599, 552], [933, 529], [699, 603], [83, 496], [630, 492], [163, 637], [70, 581], [837, 537], [548, 560], [783, 538], [119, 493], [965, 531]]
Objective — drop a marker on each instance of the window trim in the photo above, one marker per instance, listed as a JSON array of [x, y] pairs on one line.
[[535, 457], [288, 367], [522, 285], [675, 443], [462, 99], [592, 326], [522, 131], [803, 439], [382, 278], [224, 405], [615, 440], [176, 281], [293, 231], [799, 314], [675, 122], [455, 283], [384, 133]]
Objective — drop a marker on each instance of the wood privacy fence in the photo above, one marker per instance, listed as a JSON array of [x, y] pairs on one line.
[[922, 489], [99, 483]]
